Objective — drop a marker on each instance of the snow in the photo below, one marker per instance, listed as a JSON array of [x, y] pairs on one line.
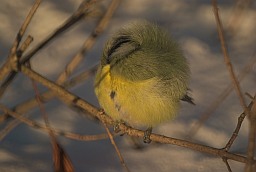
[[192, 24]]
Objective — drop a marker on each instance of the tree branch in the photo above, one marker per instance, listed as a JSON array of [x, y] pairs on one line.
[[69, 98]]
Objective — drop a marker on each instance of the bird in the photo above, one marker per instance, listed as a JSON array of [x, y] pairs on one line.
[[142, 77]]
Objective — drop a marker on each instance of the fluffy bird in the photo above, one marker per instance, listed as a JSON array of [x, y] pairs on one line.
[[142, 76]]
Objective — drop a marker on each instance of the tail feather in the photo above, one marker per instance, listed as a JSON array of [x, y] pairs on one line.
[[188, 99]]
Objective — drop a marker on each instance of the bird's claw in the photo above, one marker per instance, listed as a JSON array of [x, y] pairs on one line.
[[147, 134]]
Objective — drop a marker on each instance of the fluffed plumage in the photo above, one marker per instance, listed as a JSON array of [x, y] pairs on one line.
[[143, 75]]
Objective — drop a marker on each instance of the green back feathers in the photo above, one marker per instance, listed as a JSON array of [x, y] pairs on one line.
[[142, 50]]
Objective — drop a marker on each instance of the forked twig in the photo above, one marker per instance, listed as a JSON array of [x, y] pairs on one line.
[[237, 129], [252, 132], [81, 12], [12, 57], [224, 94], [227, 58]]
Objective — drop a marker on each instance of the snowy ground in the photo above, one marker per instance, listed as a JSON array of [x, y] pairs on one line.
[[192, 24]]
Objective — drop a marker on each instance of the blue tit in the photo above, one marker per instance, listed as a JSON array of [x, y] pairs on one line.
[[142, 76]]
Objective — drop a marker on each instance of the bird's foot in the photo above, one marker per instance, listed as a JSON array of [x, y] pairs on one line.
[[147, 134], [117, 126]]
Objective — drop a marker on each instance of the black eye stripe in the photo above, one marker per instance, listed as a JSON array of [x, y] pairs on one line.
[[118, 42]]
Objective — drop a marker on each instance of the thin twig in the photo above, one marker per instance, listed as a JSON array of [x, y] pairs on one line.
[[116, 148], [6, 83], [24, 46], [27, 21], [252, 121], [227, 58], [36, 125], [237, 129], [79, 14], [75, 18], [46, 96], [78, 57], [227, 164], [66, 96], [7, 129], [214, 105], [251, 140], [61, 160], [12, 58], [89, 42], [41, 106]]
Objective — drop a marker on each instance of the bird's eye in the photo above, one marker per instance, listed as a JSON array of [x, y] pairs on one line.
[[118, 43], [122, 47]]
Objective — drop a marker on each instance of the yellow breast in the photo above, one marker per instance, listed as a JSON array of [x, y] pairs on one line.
[[137, 103]]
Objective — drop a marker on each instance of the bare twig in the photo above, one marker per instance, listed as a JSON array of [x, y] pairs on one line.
[[214, 105], [227, 164], [227, 58], [252, 132], [77, 58], [81, 12], [250, 165], [77, 101], [235, 133], [237, 129], [27, 21], [61, 160], [86, 46], [12, 58], [6, 130], [116, 148], [36, 125], [10, 77], [89, 42], [46, 96], [24, 46], [77, 16], [41, 106]]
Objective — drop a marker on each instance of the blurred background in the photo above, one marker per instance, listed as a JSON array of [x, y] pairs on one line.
[[192, 24]]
